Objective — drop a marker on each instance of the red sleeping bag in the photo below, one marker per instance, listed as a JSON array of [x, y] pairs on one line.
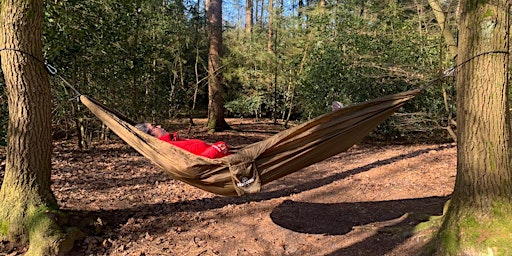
[[198, 147]]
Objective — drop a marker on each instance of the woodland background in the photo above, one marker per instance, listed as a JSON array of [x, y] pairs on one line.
[[285, 60]]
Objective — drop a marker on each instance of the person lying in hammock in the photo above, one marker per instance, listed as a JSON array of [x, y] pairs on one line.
[[195, 146]]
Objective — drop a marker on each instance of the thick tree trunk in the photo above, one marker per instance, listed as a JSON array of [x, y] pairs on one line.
[[216, 121], [27, 205], [477, 221]]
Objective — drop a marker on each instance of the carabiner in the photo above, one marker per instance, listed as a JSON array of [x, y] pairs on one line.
[[52, 70]]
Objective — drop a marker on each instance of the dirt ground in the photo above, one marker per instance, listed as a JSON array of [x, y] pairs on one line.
[[365, 201]]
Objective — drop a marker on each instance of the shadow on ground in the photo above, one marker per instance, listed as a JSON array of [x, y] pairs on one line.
[[392, 221], [341, 218], [329, 219]]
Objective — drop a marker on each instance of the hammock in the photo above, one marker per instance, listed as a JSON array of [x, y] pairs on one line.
[[246, 170]]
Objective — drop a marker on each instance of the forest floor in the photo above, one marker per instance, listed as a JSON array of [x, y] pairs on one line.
[[366, 201]]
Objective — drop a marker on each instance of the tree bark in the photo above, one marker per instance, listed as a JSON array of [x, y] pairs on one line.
[[27, 205], [216, 121], [271, 13], [477, 221], [445, 30], [248, 16]]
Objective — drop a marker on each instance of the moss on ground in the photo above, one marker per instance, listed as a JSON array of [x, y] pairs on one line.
[[473, 233], [37, 224]]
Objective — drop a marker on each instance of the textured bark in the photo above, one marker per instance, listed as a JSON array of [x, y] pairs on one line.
[[482, 86], [216, 121], [477, 221], [26, 200], [28, 92]]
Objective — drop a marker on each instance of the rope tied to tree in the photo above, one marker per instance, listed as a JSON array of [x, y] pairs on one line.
[[22, 51], [49, 68], [451, 71]]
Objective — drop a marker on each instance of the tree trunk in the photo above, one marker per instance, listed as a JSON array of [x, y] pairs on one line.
[[445, 30], [452, 53], [262, 15], [270, 21], [477, 221], [216, 120], [27, 205], [248, 16], [197, 41]]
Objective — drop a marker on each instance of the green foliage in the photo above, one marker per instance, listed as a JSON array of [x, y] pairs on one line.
[[322, 82], [350, 52], [245, 106], [136, 56], [148, 60]]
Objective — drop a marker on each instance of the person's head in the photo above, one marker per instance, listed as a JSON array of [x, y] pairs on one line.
[[143, 127], [336, 105], [155, 130]]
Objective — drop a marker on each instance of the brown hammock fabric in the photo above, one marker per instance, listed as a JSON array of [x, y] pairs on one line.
[[261, 162]]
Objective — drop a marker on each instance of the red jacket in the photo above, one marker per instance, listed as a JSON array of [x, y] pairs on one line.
[[198, 147]]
